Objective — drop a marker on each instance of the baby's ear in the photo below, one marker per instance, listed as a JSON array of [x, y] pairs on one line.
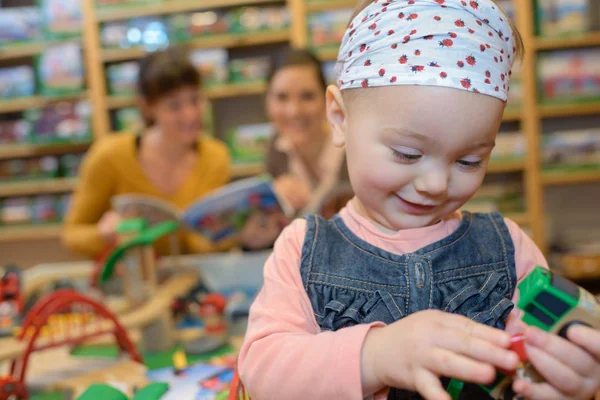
[[336, 115]]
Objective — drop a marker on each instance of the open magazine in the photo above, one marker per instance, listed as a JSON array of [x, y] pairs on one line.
[[218, 215]]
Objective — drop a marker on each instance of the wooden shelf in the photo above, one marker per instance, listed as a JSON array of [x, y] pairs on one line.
[[247, 170], [569, 110], [26, 103], [569, 178], [29, 232], [501, 167], [511, 115], [326, 5], [327, 54], [8, 151], [211, 41], [59, 185], [568, 42], [28, 49], [169, 7], [216, 92], [520, 218]]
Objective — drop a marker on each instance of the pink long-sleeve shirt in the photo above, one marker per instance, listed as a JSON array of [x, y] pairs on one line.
[[286, 356]]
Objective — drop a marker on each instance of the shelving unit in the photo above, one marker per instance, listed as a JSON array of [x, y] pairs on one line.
[[8, 151], [26, 103], [29, 232], [41, 186], [26, 49], [570, 178]]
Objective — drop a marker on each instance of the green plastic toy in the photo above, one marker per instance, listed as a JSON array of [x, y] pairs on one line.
[[551, 303], [151, 392], [146, 236], [100, 391]]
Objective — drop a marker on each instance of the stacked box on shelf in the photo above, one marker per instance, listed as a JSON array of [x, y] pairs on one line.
[[63, 122], [122, 78], [30, 210], [571, 150], [185, 26], [16, 82], [510, 146], [29, 168], [19, 24], [14, 132], [60, 69], [129, 119], [212, 65], [256, 19], [249, 69], [327, 28], [249, 143], [62, 18], [562, 17], [569, 75], [69, 164], [149, 33]]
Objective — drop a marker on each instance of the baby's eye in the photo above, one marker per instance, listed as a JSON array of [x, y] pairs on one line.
[[470, 163], [405, 157]]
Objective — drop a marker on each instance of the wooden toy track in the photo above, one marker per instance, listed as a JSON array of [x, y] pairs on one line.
[[32, 340]]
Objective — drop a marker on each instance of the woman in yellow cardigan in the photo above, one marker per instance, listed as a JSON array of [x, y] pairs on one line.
[[172, 160]]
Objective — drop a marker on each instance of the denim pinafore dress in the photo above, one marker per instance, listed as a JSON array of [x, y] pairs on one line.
[[349, 281]]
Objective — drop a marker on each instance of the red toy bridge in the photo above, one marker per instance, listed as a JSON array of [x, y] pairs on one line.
[[38, 318]]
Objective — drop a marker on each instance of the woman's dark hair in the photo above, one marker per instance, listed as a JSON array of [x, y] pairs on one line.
[[164, 71], [298, 58]]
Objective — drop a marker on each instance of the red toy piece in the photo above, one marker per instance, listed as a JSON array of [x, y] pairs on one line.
[[211, 310], [517, 344], [11, 389]]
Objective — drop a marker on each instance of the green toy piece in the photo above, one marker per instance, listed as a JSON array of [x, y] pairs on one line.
[[100, 391], [154, 391], [551, 303], [132, 225], [146, 237]]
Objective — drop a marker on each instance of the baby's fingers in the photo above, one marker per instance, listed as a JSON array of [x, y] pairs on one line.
[[429, 386], [587, 338], [452, 365], [563, 378], [536, 391], [472, 328], [478, 349]]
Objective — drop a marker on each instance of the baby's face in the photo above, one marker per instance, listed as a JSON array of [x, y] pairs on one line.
[[417, 153]]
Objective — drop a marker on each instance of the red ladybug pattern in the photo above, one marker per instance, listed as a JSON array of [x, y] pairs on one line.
[[475, 53]]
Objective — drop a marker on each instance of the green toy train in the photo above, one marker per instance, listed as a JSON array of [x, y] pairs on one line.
[[551, 303]]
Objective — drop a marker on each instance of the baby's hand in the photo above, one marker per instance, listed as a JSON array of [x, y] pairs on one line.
[[414, 352], [571, 369]]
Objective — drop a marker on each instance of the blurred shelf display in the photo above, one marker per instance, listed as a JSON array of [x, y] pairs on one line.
[[326, 5], [570, 177], [504, 166], [569, 109], [571, 41], [213, 92], [29, 232], [26, 103], [9, 151], [148, 9], [24, 188], [26, 49], [213, 41], [511, 114]]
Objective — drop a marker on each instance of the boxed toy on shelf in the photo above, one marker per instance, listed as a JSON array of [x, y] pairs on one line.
[[249, 143], [571, 150], [19, 24], [561, 17], [15, 131], [62, 18], [17, 82], [505, 197], [212, 65], [62, 122], [184, 26], [129, 119], [15, 211], [114, 34], [150, 33], [326, 29], [29, 168], [510, 146], [254, 19], [122, 78], [60, 69], [249, 69], [569, 75], [69, 164], [40, 209]]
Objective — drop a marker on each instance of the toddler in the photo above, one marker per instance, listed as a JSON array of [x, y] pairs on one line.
[[400, 290]]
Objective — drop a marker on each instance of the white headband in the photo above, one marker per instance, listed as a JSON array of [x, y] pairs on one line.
[[451, 43]]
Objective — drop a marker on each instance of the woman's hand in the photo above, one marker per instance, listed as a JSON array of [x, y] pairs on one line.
[[293, 190], [571, 368], [414, 352], [261, 231], [108, 224]]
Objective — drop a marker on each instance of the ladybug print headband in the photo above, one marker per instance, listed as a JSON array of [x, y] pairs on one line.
[[461, 44]]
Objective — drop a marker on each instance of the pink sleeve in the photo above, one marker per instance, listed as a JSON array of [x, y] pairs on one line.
[[527, 257], [284, 354]]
